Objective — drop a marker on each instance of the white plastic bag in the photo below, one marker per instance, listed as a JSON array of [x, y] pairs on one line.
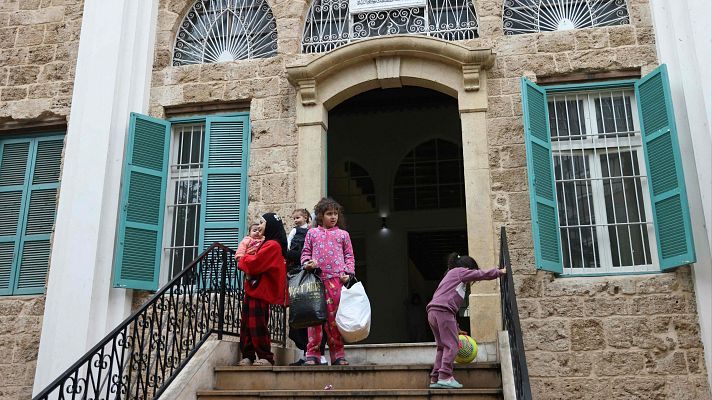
[[353, 317]]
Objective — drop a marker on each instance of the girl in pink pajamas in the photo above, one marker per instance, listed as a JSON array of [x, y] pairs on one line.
[[328, 247], [442, 309]]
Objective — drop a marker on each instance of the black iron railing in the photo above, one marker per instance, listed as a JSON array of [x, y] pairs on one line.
[[510, 322], [140, 358]]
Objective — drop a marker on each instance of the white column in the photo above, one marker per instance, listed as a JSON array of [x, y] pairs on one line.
[[113, 76], [684, 42]]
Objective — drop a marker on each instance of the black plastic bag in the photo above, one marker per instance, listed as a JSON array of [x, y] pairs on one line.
[[300, 336], [307, 303]]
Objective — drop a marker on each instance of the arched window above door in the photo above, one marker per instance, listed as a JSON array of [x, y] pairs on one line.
[[332, 23], [353, 188], [225, 30], [531, 16], [430, 176]]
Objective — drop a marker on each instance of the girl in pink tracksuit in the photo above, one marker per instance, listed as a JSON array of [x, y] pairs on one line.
[[328, 247], [442, 310]]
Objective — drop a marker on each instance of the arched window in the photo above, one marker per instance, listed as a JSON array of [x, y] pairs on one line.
[[225, 30], [430, 176], [353, 188], [331, 23], [530, 16]]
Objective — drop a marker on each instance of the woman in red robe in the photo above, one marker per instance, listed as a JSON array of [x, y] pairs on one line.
[[265, 284]]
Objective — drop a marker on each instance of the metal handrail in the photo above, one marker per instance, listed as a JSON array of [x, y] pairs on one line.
[[141, 357], [510, 323]]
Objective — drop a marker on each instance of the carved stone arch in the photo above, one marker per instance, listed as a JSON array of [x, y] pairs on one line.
[[391, 62]]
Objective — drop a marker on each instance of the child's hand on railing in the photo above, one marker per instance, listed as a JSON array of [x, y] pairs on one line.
[[503, 271]]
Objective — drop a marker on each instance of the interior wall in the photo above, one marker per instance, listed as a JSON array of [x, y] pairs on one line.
[[376, 130]]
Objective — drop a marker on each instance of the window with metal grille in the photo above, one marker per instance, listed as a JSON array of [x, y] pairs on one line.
[[225, 30], [184, 187], [430, 176], [601, 184], [331, 23], [531, 16], [182, 225]]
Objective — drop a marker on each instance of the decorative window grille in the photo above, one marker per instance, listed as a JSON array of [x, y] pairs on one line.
[[354, 189], [182, 229], [601, 184], [430, 176], [331, 24], [226, 30], [531, 16]]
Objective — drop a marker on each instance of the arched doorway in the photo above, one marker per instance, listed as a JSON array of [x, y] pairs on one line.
[[395, 163], [395, 62]]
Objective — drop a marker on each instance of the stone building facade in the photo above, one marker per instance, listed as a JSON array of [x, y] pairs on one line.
[[38, 51], [627, 337], [602, 337]]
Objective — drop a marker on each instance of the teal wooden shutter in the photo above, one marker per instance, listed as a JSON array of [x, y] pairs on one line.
[[542, 191], [29, 180], [15, 167], [39, 213], [143, 192], [224, 185], [671, 214]]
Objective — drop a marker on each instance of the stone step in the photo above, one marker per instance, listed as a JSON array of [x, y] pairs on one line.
[[352, 377], [407, 353], [405, 394]]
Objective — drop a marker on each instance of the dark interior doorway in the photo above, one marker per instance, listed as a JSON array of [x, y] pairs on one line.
[[395, 164]]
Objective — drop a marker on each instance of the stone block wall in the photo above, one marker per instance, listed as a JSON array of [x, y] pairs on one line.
[[633, 337], [39, 40], [627, 337], [20, 322]]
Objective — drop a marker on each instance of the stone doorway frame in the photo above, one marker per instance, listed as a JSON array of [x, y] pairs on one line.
[[392, 62]]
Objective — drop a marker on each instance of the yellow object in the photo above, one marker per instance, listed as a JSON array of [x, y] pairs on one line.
[[467, 350]]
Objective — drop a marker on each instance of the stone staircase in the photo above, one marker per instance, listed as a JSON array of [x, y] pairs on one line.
[[407, 378], [482, 381]]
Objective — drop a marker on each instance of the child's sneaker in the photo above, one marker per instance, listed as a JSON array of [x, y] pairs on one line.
[[450, 383]]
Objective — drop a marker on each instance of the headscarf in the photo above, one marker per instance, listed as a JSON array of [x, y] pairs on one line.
[[274, 230]]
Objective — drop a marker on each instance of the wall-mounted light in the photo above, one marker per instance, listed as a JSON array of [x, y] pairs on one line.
[[383, 223]]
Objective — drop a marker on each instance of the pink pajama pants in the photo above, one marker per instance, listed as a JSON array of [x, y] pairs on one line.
[[445, 331], [332, 290]]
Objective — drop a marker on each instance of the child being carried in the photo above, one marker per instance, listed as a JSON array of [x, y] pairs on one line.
[[249, 245]]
